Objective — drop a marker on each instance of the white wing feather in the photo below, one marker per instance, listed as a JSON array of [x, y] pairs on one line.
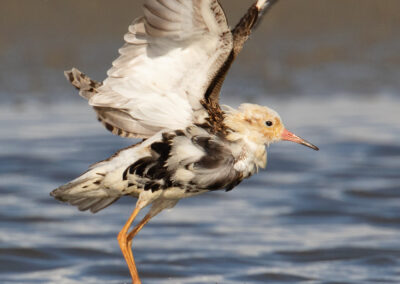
[[170, 57]]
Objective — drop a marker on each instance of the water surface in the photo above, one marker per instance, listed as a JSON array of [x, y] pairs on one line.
[[312, 217]]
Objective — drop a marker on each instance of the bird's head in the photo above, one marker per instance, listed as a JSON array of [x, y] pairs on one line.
[[262, 125]]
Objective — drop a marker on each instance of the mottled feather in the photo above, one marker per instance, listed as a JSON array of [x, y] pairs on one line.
[[189, 48]]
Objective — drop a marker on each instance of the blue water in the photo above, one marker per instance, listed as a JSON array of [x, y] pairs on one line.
[[312, 217]]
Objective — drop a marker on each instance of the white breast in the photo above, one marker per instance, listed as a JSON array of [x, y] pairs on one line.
[[249, 156]]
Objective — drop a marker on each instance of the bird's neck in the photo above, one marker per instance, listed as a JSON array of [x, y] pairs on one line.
[[249, 151], [249, 156]]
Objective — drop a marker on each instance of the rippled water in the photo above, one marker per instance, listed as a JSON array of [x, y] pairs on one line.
[[312, 217]]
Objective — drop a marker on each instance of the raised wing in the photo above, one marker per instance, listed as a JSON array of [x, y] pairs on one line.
[[171, 69], [241, 34], [170, 57]]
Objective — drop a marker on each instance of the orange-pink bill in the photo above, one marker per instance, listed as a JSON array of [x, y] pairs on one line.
[[289, 136]]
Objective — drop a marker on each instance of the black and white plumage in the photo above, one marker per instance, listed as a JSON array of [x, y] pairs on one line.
[[169, 165], [165, 88]]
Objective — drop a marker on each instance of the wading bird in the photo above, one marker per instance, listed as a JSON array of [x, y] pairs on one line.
[[164, 88]]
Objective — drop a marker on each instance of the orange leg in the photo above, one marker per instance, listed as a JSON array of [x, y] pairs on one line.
[[136, 230], [126, 249], [125, 238]]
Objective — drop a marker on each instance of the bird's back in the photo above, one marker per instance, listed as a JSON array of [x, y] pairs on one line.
[[171, 165]]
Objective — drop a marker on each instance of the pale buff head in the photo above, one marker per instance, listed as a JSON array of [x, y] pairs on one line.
[[261, 125]]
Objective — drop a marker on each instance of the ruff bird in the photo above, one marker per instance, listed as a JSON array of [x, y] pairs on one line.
[[164, 88]]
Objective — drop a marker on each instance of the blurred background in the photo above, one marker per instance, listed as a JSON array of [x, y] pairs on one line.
[[316, 47], [330, 68]]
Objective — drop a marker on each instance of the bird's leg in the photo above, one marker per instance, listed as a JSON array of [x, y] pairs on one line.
[[125, 239], [136, 230], [126, 249], [153, 212]]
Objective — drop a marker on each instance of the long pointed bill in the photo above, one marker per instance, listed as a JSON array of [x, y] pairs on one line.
[[289, 136]]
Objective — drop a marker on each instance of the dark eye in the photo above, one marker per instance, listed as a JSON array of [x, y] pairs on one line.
[[269, 123]]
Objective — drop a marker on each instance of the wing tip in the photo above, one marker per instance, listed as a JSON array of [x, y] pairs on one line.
[[73, 75], [69, 75], [261, 4]]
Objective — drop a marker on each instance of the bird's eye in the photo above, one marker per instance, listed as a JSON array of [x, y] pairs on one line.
[[269, 123]]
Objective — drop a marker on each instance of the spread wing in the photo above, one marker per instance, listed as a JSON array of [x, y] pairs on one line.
[[171, 69], [170, 57], [241, 34]]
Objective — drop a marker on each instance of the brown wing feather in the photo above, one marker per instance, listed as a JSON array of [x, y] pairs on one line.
[[241, 34]]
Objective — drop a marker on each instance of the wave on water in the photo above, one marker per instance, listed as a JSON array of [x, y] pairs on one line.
[[326, 217]]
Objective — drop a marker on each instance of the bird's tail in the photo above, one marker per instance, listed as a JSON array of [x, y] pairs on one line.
[[86, 86], [87, 192]]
